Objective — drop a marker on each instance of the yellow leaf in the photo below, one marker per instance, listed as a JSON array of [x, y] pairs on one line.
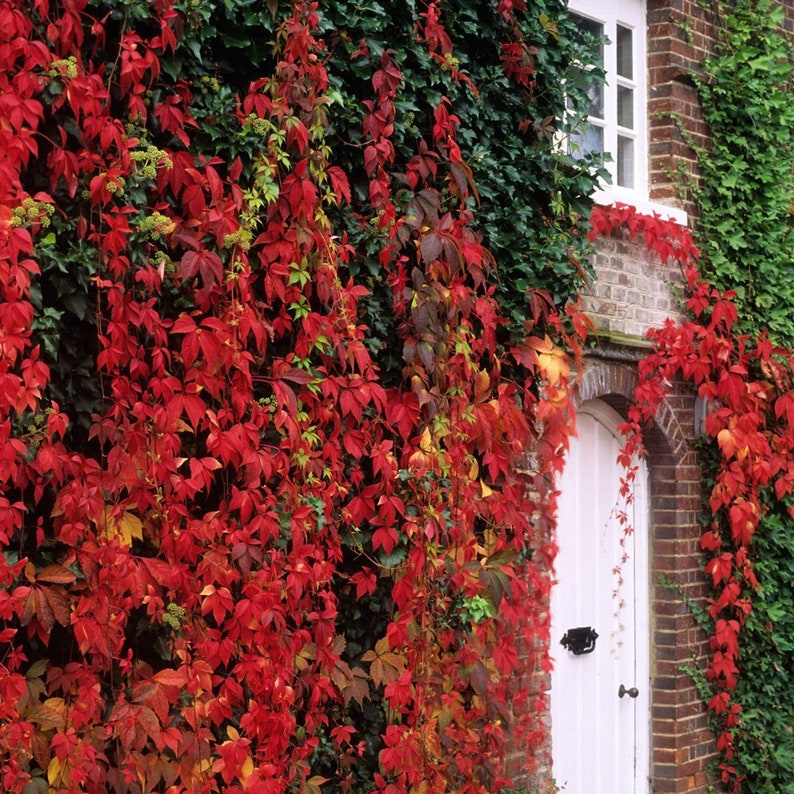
[[54, 772], [551, 360], [385, 665], [426, 441], [123, 529], [421, 457], [313, 785], [247, 768], [130, 527], [486, 491], [48, 715]]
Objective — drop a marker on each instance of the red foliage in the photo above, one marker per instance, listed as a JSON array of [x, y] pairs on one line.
[[244, 433], [747, 383]]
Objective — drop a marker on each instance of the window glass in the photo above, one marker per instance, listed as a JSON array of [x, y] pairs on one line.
[[592, 28], [595, 101], [625, 162], [625, 107], [625, 56], [590, 140]]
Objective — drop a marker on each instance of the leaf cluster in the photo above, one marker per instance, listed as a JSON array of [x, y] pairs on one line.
[[746, 192], [261, 522], [531, 204], [765, 746]]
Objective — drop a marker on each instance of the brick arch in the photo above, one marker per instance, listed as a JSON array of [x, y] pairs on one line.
[[681, 745], [614, 383], [601, 379]]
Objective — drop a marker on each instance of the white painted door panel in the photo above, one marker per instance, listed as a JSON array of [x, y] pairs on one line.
[[600, 740]]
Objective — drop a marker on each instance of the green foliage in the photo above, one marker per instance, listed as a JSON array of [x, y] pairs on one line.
[[746, 196], [746, 235], [533, 200], [765, 744], [64, 318]]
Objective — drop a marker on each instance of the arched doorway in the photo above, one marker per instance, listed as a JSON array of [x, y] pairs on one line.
[[600, 702]]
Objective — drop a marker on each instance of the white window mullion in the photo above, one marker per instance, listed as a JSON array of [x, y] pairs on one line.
[[610, 100]]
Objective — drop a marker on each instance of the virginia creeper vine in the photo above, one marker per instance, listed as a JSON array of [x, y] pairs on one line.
[[270, 358], [183, 537]]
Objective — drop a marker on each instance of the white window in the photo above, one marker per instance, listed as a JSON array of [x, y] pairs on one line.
[[616, 111]]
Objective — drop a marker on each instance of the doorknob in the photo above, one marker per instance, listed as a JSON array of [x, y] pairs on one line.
[[632, 693]]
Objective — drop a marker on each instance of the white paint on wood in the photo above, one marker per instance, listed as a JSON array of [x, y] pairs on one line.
[[600, 742]]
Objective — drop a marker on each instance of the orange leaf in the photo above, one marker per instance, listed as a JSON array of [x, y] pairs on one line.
[[551, 360], [48, 715], [385, 665], [172, 678], [60, 604], [56, 574]]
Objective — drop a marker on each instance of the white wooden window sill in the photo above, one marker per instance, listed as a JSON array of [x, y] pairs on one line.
[[611, 195]]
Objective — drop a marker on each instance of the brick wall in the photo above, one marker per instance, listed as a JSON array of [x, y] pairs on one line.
[[633, 291], [681, 745], [680, 34]]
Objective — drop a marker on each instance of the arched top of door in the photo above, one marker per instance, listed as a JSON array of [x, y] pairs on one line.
[[610, 420], [603, 413], [613, 383]]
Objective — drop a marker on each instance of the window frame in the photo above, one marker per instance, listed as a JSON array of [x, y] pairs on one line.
[[629, 14]]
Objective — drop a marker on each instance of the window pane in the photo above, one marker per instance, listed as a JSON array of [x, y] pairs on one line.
[[595, 101], [590, 140], [594, 98], [625, 162], [625, 107], [624, 52], [589, 28]]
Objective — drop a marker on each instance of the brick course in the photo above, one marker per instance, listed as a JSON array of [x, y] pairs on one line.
[[632, 292]]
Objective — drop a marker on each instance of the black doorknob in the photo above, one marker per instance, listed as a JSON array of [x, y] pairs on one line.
[[632, 693]]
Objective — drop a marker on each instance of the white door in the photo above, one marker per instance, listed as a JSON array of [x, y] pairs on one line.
[[600, 739]]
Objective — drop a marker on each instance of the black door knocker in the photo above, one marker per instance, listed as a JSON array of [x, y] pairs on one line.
[[580, 641]]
